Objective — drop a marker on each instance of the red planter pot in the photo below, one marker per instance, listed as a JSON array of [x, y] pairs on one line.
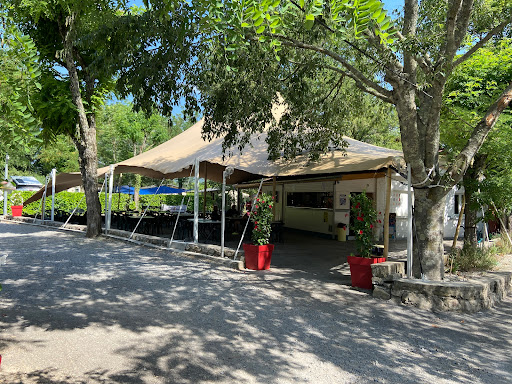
[[16, 210], [361, 270], [258, 257]]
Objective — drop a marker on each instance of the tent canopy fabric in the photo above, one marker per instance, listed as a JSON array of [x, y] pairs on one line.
[[176, 157]]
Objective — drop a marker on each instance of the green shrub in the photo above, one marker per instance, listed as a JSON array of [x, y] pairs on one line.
[[67, 201], [502, 244], [475, 258]]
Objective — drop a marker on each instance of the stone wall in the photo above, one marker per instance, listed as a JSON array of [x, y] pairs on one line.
[[470, 295]]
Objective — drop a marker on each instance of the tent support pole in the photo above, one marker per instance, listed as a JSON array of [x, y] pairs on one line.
[[178, 217], [247, 223], [145, 210], [409, 223], [196, 201], [54, 174], [108, 215], [205, 188], [44, 198], [225, 174], [119, 190], [80, 202], [6, 177], [72, 213], [274, 187], [107, 177], [386, 213], [459, 221]]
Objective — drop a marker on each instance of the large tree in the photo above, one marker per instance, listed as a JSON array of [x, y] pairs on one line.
[[70, 37], [407, 68]]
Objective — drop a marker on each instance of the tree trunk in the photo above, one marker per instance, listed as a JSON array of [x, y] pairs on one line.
[[86, 137], [429, 207]]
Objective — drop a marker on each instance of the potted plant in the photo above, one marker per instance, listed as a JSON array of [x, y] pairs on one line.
[[259, 253], [364, 219], [16, 204]]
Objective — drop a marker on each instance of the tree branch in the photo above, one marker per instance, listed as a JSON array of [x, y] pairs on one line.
[[454, 174], [386, 98], [290, 42], [482, 42], [451, 25]]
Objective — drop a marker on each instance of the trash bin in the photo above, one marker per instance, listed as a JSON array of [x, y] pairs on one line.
[[342, 231]]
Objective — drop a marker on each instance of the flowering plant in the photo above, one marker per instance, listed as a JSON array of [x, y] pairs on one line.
[[262, 217], [16, 198], [364, 220]]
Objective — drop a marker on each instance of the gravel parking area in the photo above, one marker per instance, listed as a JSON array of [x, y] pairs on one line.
[[75, 310]]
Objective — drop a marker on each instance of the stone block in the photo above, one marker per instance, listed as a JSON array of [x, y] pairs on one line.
[[388, 268], [417, 300], [382, 292]]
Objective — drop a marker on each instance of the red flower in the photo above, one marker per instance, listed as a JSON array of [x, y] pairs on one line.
[[380, 213], [255, 223], [358, 205], [359, 218], [258, 201], [380, 221], [256, 206], [371, 225], [269, 206], [360, 231]]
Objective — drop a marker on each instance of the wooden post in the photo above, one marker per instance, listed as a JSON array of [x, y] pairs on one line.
[[386, 213], [274, 184], [461, 212], [205, 188]]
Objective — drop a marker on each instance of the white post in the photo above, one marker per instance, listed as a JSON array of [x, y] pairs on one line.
[[196, 201], [6, 176], [106, 197], [225, 174], [409, 223], [43, 213], [108, 214], [54, 174]]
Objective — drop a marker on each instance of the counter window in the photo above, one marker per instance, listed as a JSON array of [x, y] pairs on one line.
[[309, 199]]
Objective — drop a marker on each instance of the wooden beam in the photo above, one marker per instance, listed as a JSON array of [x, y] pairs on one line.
[[386, 213], [274, 183], [459, 222]]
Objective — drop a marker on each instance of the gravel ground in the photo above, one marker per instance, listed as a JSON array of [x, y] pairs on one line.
[[75, 310]]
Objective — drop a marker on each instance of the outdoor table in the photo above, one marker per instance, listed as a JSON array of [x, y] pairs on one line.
[[208, 229], [146, 226]]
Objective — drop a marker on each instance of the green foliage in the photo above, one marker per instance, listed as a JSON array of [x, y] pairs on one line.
[[123, 133], [269, 20], [472, 258], [19, 80], [61, 155], [469, 92], [364, 218], [67, 201], [262, 218]]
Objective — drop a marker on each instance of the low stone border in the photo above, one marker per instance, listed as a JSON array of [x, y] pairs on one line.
[[471, 295], [209, 252]]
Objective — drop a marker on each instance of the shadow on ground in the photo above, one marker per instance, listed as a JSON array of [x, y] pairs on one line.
[[168, 319]]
